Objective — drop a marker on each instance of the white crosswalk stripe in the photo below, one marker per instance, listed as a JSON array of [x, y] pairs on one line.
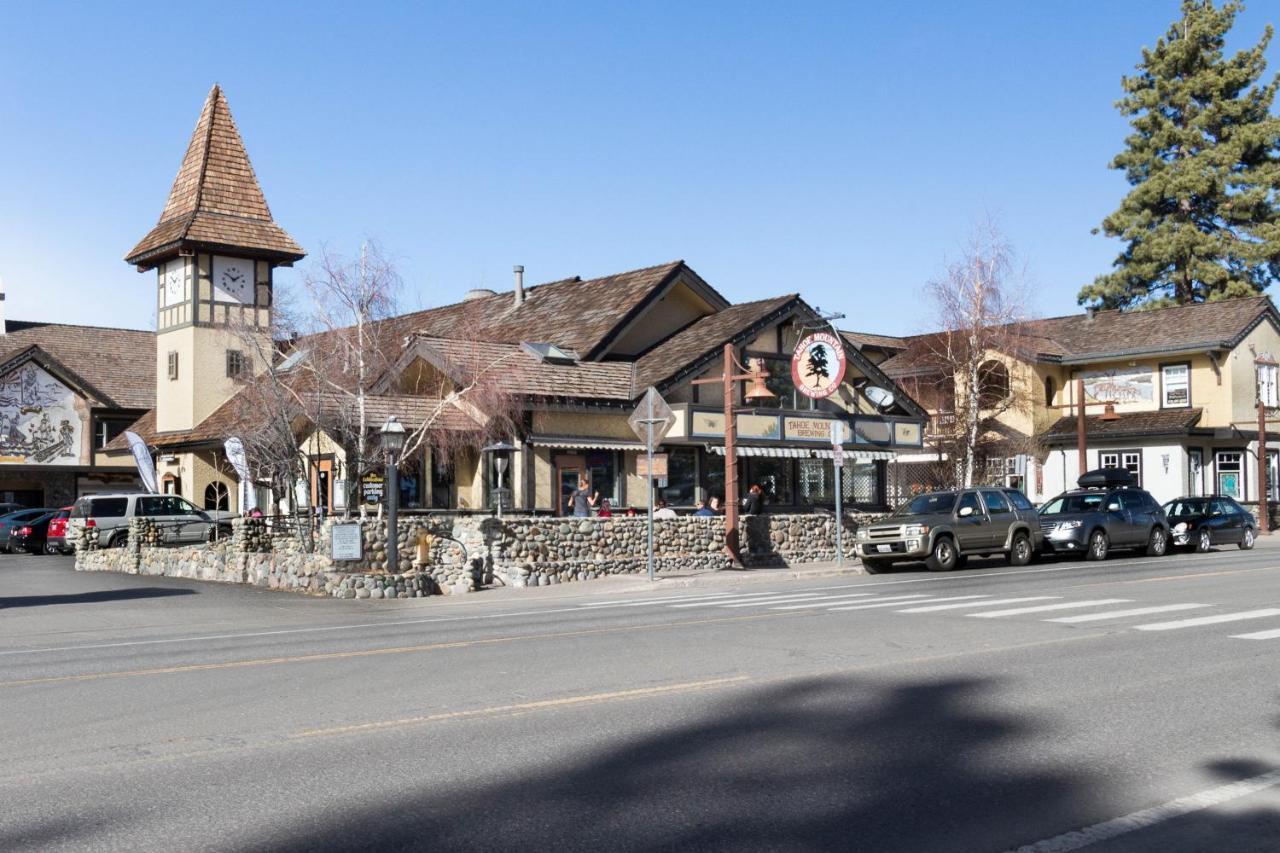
[[1210, 620], [631, 602], [935, 608], [1258, 635], [761, 603], [1044, 608], [887, 601], [827, 602], [763, 596], [900, 603], [1120, 614]]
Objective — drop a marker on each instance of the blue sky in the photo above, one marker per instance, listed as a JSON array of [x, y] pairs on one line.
[[840, 150]]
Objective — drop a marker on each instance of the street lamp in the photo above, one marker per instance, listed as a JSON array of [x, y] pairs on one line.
[[759, 390], [501, 461], [393, 438]]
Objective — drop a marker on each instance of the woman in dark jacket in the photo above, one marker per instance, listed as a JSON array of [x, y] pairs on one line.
[[754, 502]]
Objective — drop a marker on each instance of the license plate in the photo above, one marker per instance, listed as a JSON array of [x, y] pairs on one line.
[[884, 549]]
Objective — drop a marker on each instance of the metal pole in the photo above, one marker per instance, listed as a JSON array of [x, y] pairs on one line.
[[393, 507], [649, 479], [730, 461], [839, 466], [1264, 515], [1080, 443]]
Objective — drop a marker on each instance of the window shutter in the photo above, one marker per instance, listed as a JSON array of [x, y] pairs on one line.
[[173, 364]]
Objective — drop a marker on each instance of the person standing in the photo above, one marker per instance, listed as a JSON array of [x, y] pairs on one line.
[[754, 502], [582, 499]]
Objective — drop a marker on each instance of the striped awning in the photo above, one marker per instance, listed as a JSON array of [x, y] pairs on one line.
[[577, 442], [807, 453]]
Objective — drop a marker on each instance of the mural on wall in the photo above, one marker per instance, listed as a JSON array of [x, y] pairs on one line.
[[38, 420], [1120, 385]]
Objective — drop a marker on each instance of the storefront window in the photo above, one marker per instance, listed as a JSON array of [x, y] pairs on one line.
[[682, 477], [1230, 471], [862, 484], [602, 466], [817, 481], [772, 475], [713, 475]]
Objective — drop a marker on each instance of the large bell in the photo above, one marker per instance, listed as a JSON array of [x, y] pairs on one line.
[[758, 389]]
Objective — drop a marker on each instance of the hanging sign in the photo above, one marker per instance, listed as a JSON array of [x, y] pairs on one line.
[[372, 486], [818, 365]]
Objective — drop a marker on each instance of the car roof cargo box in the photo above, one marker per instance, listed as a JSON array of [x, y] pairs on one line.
[[1105, 478]]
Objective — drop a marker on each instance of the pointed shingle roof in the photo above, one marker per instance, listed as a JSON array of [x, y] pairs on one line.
[[215, 202]]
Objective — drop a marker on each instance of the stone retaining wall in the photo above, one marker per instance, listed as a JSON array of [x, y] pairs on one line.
[[458, 554]]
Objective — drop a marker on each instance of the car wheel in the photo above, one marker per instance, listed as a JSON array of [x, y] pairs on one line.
[[1099, 545], [120, 540], [1020, 552], [943, 558], [1158, 543], [1247, 540], [1204, 541], [875, 567]]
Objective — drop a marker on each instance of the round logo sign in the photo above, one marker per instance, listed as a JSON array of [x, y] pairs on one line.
[[817, 365]]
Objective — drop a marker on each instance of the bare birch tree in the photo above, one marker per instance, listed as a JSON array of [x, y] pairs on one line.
[[980, 306]]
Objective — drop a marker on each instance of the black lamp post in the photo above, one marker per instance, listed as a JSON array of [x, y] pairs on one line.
[[393, 437], [501, 461]]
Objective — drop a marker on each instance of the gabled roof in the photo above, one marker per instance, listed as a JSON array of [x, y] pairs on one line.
[[577, 314], [867, 339], [515, 371], [216, 202], [118, 366], [1127, 425]]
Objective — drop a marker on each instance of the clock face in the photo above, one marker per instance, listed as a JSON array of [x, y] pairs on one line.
[[175, 274], [233, 280]]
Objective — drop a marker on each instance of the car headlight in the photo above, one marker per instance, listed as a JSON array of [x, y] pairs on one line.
[[862, 534], [1070, 525], [1180, 528], [915, 530]]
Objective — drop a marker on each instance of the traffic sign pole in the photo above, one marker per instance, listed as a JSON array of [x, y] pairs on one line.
[[649, 478], [656, 418], [837, 461]]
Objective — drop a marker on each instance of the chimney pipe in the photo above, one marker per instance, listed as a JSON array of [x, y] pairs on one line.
[[518, 269]]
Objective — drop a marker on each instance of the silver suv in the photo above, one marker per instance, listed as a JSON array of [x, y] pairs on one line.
[[179, 521]]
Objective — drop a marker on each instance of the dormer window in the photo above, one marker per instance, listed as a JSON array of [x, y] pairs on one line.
[[550, 353]]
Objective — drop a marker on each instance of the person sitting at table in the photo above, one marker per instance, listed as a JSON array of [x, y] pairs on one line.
[[703, 511], [663, 511]]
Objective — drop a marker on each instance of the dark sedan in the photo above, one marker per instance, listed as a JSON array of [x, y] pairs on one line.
[[1200, 523], [17, 519], [30, 536]]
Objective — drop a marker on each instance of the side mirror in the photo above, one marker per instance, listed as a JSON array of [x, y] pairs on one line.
[[1114, 506], [966, 511]]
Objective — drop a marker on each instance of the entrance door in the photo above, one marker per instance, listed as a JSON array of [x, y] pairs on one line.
[[568, 471], [972, 529], [321, 484]]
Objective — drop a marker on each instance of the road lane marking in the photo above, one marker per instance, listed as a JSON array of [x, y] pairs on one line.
[[761, 596], [1147, 818], [1209, 620], [826, 602], [364, 653], [808, 596], [887, 601], [1044, 608], [1119, 614], [631, 602], [1258, 635], [932, 608], [522, 707], [899, 603]]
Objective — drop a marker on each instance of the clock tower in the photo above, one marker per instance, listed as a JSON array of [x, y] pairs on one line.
[[213, 253]]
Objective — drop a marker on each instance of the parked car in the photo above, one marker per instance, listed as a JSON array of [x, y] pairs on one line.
[[179, 521], [56, 541], [29, 537], [946, 528], [1108, 511], [18, 518], [1202, 522]]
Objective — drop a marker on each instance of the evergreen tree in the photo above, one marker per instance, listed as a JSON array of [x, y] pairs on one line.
[[1202, 221], [817, 366]]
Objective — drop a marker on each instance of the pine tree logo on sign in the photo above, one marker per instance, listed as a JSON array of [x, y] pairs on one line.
[[817, 365]]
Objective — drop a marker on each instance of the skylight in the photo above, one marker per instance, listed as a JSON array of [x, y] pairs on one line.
[[295, 358], [550, 353]]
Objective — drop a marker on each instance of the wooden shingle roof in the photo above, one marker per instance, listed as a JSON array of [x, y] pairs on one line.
[[216, 202], [1163, 422], [119, 363]]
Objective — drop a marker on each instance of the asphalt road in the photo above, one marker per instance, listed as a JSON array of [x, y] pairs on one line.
[[899, 712]]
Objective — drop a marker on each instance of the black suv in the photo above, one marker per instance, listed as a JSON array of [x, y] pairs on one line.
[[1106, 512]]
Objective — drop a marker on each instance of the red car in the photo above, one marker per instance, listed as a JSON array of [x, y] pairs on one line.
[[57, 541]]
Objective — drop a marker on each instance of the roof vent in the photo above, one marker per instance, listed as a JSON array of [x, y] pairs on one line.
[[518, 269], [478, 293], [550, 353]]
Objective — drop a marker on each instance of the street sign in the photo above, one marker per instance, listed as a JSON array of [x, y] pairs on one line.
[[659, 466], [346, 542], [372, 487], [837, 433], [837, 455], [652, 411]]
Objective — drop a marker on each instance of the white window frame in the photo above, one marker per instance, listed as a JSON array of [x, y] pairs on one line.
[[1183, 384], [1269, 385], [1195, 472], [1218, 458], [1130, 460]]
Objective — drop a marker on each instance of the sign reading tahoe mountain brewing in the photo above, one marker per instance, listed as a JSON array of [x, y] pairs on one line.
[[817, 365]]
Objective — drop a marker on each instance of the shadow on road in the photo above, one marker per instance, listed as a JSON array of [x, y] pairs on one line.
[[823, 764], [92, 597]]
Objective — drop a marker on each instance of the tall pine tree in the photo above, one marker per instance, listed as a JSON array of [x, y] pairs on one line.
[[1202, 221]]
